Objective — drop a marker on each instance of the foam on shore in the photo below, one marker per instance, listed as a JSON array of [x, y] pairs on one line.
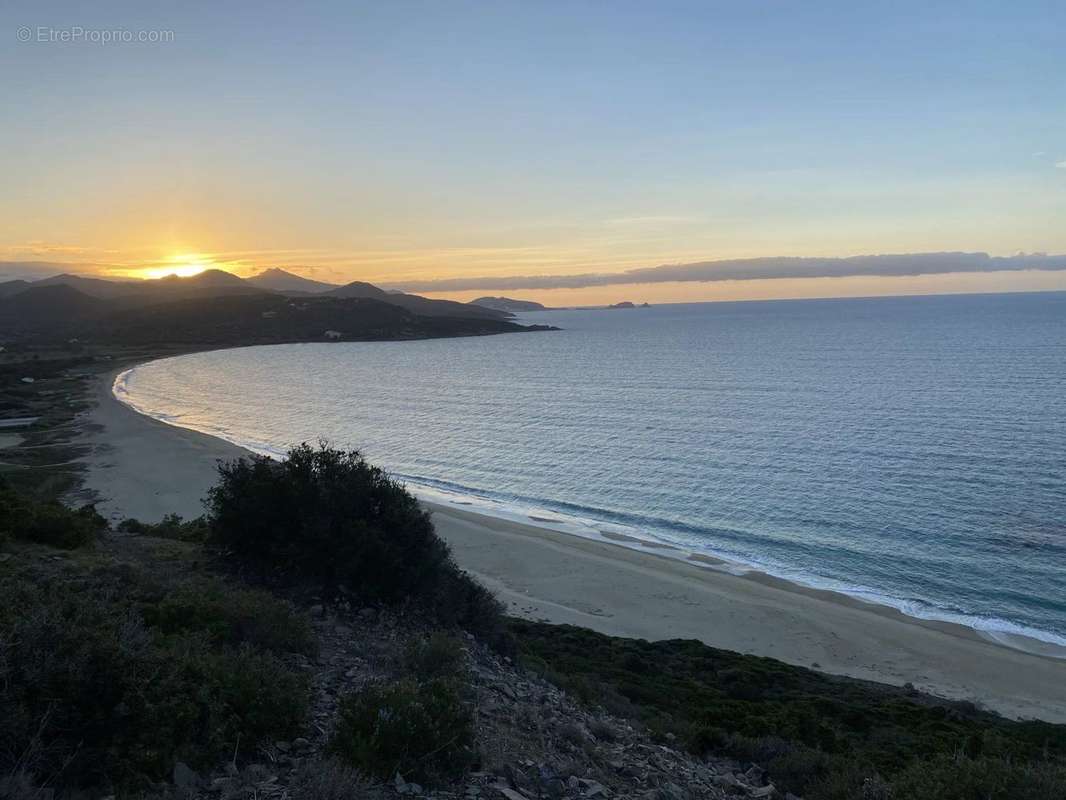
[[1002, 632]]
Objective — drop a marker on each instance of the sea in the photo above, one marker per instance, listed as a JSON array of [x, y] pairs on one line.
[[905, 451]]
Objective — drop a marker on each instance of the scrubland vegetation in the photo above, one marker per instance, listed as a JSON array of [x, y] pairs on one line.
[[192, 644], [819, 736]]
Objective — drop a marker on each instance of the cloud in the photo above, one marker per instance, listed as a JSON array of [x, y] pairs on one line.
[[1060, 164], [754, 269], [745, 269]]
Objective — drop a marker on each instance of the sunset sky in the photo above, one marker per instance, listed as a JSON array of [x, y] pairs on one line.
[[403, 143]]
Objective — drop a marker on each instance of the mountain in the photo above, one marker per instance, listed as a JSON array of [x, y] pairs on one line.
[[360, 289], [138, 292], [53, 307], [209, 278], [278, 280], [195, 309], [221, 310], [506, 304], [8, 288], [94, 287], [416, 303]]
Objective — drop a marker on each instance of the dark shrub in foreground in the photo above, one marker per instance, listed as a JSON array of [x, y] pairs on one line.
[[327, 516], [438, 656], [234, 616], [92, 696], [421, 730], [47, 522]]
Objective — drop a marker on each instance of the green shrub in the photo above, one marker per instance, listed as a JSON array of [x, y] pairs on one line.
[[90, 695], [819, 736], [47, 522], [421, 730], [438, 656], [330, 779], [172, 526], [232, 616], [962, 778], [327, 516], [202, 703]]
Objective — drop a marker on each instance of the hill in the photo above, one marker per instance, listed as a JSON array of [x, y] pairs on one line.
[[507, 304], [200, 316], [360, 289], [278, 280], [269, 319], [8, 288], [217, 308], [55, 307], [416, 303], [171, 287]]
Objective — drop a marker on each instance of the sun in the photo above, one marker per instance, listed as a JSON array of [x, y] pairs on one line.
[[184, 265]]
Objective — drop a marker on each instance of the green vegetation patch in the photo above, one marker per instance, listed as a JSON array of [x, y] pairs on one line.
[[106, 679], [819, 736], [422, 730], [172, 526], [231, 615], [46, 521], [329, 517]]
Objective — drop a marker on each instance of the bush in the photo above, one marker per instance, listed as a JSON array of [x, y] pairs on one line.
[[202, 703], [326, 516], [439, 656], [421, 730], [233, 616], [962, 778], [330, 779], [819, 736], [90, 695], [172, 526], [47, 522]]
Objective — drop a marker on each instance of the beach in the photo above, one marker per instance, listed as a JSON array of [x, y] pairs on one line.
[[145, 468]]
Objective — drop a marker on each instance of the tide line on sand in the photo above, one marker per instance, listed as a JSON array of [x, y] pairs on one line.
[[146, 468]]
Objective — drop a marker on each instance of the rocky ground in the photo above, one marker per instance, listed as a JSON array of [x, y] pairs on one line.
[[534, 740]]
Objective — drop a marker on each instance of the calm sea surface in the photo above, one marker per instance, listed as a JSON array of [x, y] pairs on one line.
[[907, 450]]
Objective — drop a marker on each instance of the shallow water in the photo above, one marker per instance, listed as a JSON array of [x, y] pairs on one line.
[[910, 451]]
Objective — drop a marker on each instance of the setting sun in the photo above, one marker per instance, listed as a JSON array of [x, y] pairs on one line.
[[184, 266]]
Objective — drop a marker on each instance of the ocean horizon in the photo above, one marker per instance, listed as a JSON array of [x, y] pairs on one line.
[[907, 451]]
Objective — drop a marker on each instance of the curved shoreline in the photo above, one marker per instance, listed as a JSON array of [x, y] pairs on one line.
[[999, 631], [148, 467]]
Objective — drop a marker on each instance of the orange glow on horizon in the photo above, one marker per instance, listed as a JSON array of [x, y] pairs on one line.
[[184, 266]]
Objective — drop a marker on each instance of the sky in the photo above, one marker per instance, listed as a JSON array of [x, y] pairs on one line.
[[410, 143]]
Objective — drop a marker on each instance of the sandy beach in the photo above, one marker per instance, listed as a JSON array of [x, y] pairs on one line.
[[144, 468]]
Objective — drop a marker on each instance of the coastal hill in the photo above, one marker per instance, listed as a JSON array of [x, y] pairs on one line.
[[279, 280], [507, 304], [416, 303], [218, 308]]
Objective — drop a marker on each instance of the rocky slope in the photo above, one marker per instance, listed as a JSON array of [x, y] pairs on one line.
[[534, 740]]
